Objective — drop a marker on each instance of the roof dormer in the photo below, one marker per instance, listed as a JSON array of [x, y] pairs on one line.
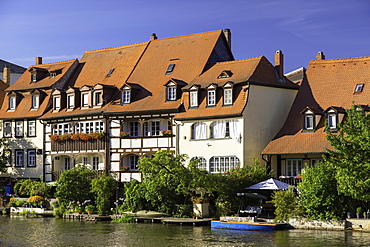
[[225, 74], [128, 93], [173, 91], [72, 98], [228, 93], [36, 99], [334, 116], [86, 97], [211, 95], [311, 118], [14, 99], [37, 74], [57, 100], [194, 96]]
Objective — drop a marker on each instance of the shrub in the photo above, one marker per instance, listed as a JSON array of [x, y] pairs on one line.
[[125, 219], [286, 202]]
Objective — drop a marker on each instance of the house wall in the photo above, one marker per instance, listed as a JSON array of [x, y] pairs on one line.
[[25, 143], [208, 147], [266, 111], [13, 77]]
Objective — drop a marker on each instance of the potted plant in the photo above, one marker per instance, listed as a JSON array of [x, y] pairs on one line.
[[124, 134], [75, 136], [54, 138], [65, 136], [358, 212], [84, 136], [124, 168], [167, 132], [89, 209]]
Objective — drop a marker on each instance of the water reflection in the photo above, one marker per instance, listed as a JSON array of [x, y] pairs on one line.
[[18, 231]]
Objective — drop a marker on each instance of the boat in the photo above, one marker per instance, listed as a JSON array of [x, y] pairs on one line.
[[238, 225]]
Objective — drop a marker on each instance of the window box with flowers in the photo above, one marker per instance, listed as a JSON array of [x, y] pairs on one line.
[[124, 168], [97, 135], [55, 138], [124, 134], [167, 132]]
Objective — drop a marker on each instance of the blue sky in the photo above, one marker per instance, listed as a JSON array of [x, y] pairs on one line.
[[60, 30]]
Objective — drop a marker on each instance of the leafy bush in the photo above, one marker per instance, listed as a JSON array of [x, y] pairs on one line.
[[125, 219], [103, 189], [286, 204], [30, 188]]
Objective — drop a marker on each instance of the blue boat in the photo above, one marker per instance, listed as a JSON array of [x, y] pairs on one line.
[[249, 226]]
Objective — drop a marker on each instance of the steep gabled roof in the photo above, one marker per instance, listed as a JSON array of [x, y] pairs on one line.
[[328, 83], [257, 71], [24, 82], [16, 69], [189, 54]]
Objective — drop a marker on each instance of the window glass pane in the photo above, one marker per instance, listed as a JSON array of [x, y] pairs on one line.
[[19, 128], [193, 99], [126, 96], [71, 101], [171, 93], [18, 158], [32, 128], [31, 158], [67, 163], [308, 122], [211, 97], [228, 96], [98, 100], [85, 99], [95, 163]]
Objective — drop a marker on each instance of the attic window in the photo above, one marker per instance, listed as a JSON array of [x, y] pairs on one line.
[[170, 69], [53, 74], [224, 75], [359, 88], [34, 77], [110, 72], [308, 122]]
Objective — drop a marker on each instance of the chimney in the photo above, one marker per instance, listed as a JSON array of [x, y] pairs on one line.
[[38, 60], [279, 63], [227, 34], [6, 75], [320, 56], [153, 36]]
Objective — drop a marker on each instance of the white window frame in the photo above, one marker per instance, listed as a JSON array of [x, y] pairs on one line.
[[134, 128], [202, 162], [71, 101], [228, 96], [35, 102], [34, 77], [12, 103], [193, 98], [332, 120], [171, 93], [199, 131], [85, 99], [19, 128], [309, 122], [152, 128], [62, 128], [133, 161], [88, 127], [98, 98], [19, 158], [293, 167], [56, 102], [220, 164], [126, 96], [31, 158], [31, 127], [211, 97]]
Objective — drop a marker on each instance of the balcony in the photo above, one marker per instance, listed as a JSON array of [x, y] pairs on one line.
[[56, 174], [291, 180], [78, 145]]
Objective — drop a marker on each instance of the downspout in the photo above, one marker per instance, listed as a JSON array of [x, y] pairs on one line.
[[268, 162], [43, 151], [107, 146]]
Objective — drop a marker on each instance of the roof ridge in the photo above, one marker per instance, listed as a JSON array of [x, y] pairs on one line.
[[66, 61], [115, 48], [188, 35], [339, 59], [240, 60]]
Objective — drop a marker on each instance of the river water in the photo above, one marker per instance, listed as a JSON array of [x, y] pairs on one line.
[[19, 231]]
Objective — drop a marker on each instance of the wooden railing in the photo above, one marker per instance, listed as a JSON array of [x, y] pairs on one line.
[[56, 174], [78, 145], [290, 180]]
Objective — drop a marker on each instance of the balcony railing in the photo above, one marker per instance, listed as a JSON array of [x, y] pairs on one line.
[[56, 174], [78, 145], [290, 180]]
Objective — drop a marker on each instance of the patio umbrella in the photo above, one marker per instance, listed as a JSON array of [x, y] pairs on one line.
[[270, 184]]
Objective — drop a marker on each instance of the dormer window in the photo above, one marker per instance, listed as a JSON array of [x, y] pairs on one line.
[[98, 98], [332, 120], [53, 74], [56, 103], [34, 77], [228, 94], [171, 92], [12, 103], [71, 101], [126, 95], [35, 102], [359, 88], [211, 95], [311, 118], [85, 100], [193, 98], [225, 74], [170, 68]]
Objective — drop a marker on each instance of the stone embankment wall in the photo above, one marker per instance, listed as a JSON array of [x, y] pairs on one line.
[[316, 224]]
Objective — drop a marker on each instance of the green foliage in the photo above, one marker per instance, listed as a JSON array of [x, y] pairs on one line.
[[319, 195], [286, 204], [74, 185], [3, 157], [31, 188], [125, 218], [351, 155], [103, 188], [59, 211]]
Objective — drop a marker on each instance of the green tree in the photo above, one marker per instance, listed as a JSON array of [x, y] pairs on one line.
[[103, 188], [318, 193], [28, 187], [351, 155], [3, 156], [75, 185], [286, 203]]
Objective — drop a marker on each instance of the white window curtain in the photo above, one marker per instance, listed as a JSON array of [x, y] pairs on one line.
[[200, 131], [219, 129], [234, 130]]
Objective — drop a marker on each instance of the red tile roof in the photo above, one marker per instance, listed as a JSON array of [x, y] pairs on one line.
[[328, 83]]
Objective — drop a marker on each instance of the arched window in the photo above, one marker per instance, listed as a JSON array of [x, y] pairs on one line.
[[223, 163], [202, 162]]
